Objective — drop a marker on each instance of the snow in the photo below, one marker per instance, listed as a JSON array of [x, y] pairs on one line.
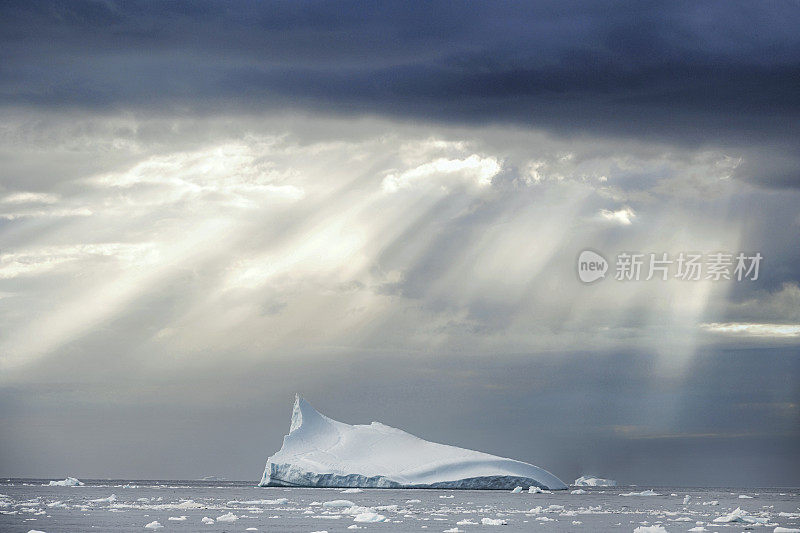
[[321, 452], [591, 481], [69, 482], [153, 525]]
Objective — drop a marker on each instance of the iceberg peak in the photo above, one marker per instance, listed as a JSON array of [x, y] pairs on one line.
[[304, 415], [321, 452]]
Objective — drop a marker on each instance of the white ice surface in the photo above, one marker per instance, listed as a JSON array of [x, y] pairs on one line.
[[591, 481], [69, 482], [322, 452]]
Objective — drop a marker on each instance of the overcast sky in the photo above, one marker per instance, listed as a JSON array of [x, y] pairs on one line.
[[207, 207]]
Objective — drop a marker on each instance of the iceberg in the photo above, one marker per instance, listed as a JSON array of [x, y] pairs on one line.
[[321, 452], [591, 481], [69, 482]]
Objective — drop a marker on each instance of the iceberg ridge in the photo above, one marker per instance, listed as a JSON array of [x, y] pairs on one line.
[[321, 452]]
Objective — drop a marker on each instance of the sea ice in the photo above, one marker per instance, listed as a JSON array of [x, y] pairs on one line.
[[321, 452], [227, 517], [369, 516], [338, 503], [740, 515]]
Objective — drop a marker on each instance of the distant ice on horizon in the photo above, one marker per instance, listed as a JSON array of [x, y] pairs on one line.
[[592, 481]]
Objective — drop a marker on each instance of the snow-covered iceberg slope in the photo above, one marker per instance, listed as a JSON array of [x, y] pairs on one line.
[[320, 452]]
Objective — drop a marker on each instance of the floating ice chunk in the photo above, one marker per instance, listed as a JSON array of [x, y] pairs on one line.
[[577, 491], [536, 490], [227, 517], [276, 501], [153, 525], [446, 496], [648, 492], [745, 497], [352, 491], [576, 522], [37, 531], [338, 503], [516, 490], [251, 529], [369, 516], [739, 515], [698, 529], [650, 529], [178, 518], [377, 455], [592, 481], [68, 482], [686, 499], [712, 502], [453, 530], [494, 522], [780, 529], [110, 499], [353, 527], [466, 522], [413, 501], [206, 520]]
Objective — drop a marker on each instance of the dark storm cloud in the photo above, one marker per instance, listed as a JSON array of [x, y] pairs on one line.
[[691, 71]]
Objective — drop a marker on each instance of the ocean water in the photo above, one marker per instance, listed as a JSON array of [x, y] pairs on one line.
[[29, 504]]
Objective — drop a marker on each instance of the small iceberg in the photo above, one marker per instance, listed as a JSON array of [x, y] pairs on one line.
[[321, 452], [591, 481], [69, 482]]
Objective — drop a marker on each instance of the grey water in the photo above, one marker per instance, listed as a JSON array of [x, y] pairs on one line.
[[31, 505]]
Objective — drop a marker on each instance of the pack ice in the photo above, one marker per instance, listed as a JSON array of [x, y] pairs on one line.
[[321, 452]]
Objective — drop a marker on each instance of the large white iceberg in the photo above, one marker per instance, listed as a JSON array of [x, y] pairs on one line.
[[320, 452]]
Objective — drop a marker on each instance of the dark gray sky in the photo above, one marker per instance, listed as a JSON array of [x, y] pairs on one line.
[[206, 207]]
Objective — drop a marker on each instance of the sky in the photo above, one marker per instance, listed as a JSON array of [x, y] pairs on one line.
[[208, 207]]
